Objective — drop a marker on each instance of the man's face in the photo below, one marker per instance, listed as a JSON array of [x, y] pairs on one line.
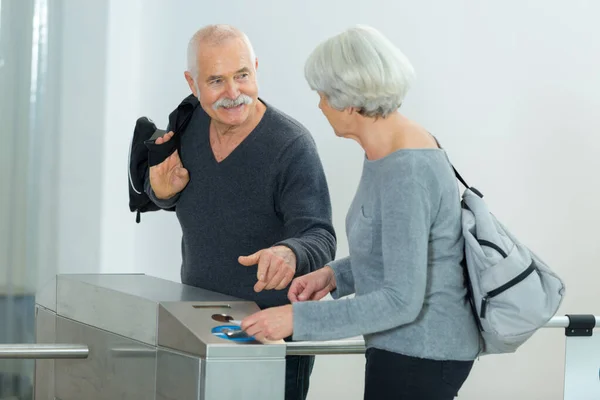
[[226, 82]]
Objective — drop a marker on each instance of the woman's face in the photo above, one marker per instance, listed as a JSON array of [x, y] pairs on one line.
[[340, 121]]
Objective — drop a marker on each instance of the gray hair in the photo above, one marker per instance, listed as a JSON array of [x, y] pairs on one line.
[[360, 68], [213, 35]]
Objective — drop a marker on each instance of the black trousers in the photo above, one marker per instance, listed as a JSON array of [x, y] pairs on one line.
[[297, 376], [395, 376]]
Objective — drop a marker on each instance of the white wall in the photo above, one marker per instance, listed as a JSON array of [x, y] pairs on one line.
[[100, 92], [82, 126], [123, 80], [511, 89]]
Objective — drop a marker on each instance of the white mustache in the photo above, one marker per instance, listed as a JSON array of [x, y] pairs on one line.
[[225, 102]]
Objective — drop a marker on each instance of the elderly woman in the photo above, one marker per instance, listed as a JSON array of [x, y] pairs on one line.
[[404, 234]]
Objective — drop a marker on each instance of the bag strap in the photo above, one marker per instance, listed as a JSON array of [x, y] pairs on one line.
[[457, 174], [460, 178]]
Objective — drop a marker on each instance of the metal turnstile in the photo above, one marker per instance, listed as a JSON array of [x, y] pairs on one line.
[[139, 337], [149, 338]]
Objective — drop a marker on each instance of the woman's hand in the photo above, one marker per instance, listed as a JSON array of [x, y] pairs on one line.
[[271, 324], [313, 286]]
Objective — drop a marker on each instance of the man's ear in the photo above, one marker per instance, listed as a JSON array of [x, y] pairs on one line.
[[191, 83], [256, 64]]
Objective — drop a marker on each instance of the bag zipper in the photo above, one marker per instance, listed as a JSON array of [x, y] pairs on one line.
[[505, 287]]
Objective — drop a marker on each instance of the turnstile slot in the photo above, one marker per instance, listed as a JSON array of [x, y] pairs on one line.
[[211, 306]]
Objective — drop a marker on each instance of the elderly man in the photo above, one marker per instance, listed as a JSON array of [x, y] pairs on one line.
[[248, 185]]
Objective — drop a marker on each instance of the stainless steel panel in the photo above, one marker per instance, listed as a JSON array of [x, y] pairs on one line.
[[45, 332], [121, 313], [177, 376], [244, 379], [148, 287], [186, 327], [46, 294], [125, 304], [174, 334], [117, 367]]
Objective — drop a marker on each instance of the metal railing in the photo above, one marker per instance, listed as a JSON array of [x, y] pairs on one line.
[[43, 351], [347, 346], [353, 346], [357, 346], [564, 321]]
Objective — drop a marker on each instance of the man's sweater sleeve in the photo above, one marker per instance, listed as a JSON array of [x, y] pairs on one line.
[[302, 200]]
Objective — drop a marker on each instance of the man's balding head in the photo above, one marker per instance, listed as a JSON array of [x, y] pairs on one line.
[[222, 75], [211, 36]]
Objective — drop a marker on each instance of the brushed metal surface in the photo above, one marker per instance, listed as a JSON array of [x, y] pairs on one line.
[[244, 379], [186, 328], [178, 376], [105, 374], [131, 316], [126, 304], [149, 287]]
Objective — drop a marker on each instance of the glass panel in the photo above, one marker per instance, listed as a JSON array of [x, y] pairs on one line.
[[27, 233]]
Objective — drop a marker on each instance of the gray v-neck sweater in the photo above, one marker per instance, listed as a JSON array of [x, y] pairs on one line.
[[270, 190], [406, 246]]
